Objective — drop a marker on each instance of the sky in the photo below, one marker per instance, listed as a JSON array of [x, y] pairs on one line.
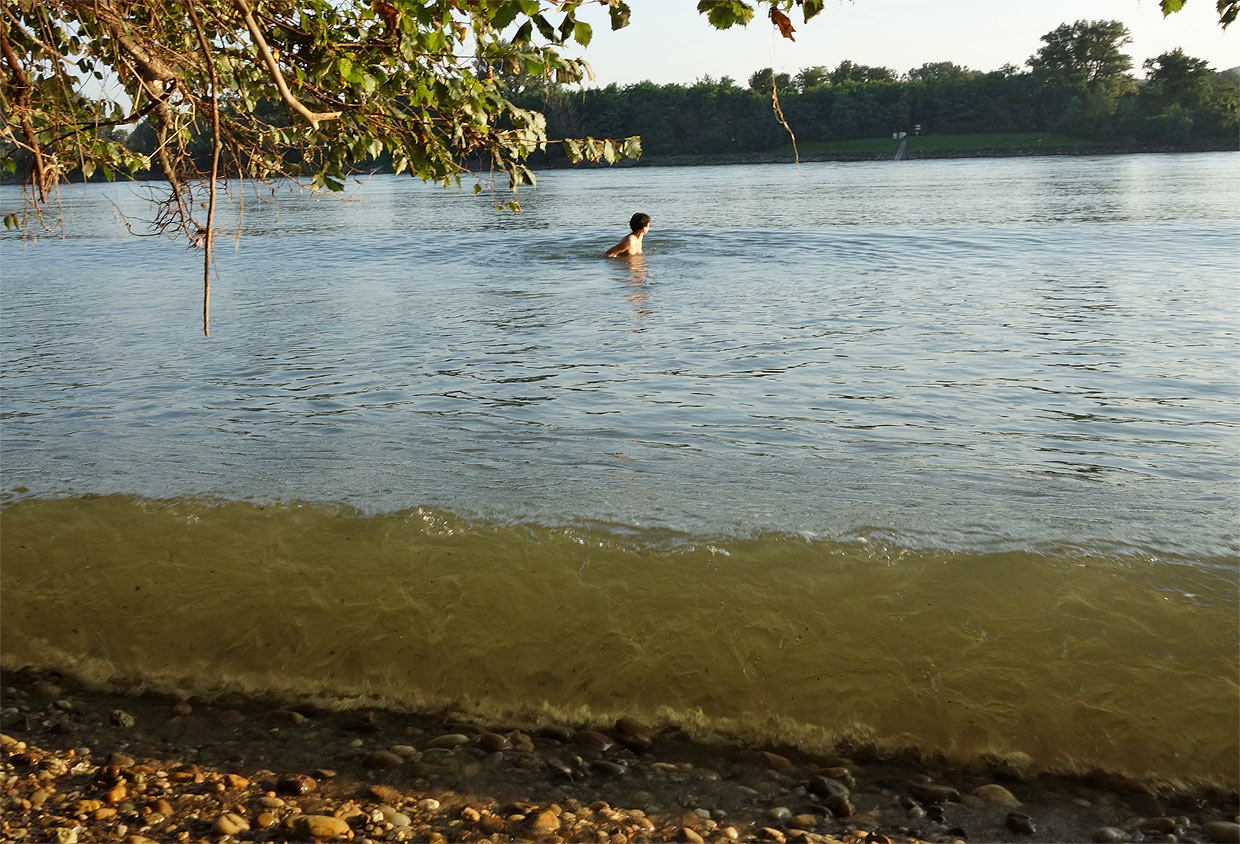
[[667, 41]]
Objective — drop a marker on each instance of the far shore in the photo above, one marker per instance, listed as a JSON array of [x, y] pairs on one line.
[[920, 149]]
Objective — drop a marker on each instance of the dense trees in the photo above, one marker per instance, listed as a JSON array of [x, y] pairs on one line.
[[1078, 84]]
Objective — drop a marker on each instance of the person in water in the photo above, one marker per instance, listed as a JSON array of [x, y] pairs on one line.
[[632, 243]]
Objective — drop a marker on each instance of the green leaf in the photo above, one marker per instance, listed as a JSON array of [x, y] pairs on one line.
[[633, 147], [544, 27], [1171, 6], [88, 169], [619, 12], [505, 15], [12, 221], [724, 14], [582, 33]]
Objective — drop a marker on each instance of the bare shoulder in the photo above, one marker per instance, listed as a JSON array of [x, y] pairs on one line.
[[624, 247]]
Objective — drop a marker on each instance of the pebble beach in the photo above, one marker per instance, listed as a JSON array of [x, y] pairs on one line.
[[84, 765]]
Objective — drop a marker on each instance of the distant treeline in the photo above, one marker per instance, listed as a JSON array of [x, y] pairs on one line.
[[1077, 85]]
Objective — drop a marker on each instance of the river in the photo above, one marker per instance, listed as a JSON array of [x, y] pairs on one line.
[[938, 455]]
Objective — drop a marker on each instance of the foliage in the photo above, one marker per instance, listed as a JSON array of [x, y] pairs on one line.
[[424, 84]]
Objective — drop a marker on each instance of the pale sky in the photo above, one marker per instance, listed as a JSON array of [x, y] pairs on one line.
[[668, 41]]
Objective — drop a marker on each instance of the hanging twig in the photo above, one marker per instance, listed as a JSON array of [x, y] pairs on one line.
[[209, 236], [779, 115]]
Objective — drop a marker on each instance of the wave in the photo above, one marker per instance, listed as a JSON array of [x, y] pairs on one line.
[[1065, 659]]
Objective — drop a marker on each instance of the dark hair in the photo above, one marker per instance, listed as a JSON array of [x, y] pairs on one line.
[[639, 221]]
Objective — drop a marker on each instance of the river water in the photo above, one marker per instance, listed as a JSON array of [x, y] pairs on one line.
[[934, 455]]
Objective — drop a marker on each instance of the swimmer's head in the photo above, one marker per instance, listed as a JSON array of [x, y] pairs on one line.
[[639, 221]]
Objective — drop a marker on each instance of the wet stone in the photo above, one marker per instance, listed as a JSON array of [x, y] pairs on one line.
[[692, 837], [1108, 835], [382, 759], [997, 795], [828, 787], [1222, 832], [296, 784], [1161, 825], [934, 793], [493, 742], [428, 804], [634, 734], [449, 741], [607, 768], [1020, 823], [595, 740], [122, 719]]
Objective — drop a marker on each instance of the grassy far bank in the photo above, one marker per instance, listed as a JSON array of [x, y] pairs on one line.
[[925, 146]]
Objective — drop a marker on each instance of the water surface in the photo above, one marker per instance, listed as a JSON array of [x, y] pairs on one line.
[[941, 454]]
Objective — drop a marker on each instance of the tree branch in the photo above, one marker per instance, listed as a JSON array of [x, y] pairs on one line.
[[292, 102]]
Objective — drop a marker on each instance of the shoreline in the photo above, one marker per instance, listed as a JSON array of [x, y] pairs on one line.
[[83, 765], [755, 158]]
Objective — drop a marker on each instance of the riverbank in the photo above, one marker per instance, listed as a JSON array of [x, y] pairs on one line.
[[84, 765], [918, 149]]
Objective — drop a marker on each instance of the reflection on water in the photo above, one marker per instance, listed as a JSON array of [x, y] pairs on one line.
[[639, 293]]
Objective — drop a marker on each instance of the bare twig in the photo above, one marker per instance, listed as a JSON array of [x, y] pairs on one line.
[[209, 238]]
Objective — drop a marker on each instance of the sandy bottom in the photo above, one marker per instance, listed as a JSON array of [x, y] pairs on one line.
[[86, 765]]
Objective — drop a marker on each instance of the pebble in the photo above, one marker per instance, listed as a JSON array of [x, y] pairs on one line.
[[296, 784], [998, 795], [265, 820], [1222, 832], [828, 787], [1021, 823], [691, 836], [779, 813], [449, 741], [774, 761], [122, 719], [595, 740], [65, 835], [268, 801], [493, 742], [230, 823], [318, 826], [805, 821], [1108, 835], [933, 793], [611, 769], [545, 823], [470, 814], [397, 819], [428, 804], [287, 716], [406, 751], [382, 759], [634, 733], [385, 793]]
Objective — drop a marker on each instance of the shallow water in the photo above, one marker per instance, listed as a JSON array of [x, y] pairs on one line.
[[942, 454]]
